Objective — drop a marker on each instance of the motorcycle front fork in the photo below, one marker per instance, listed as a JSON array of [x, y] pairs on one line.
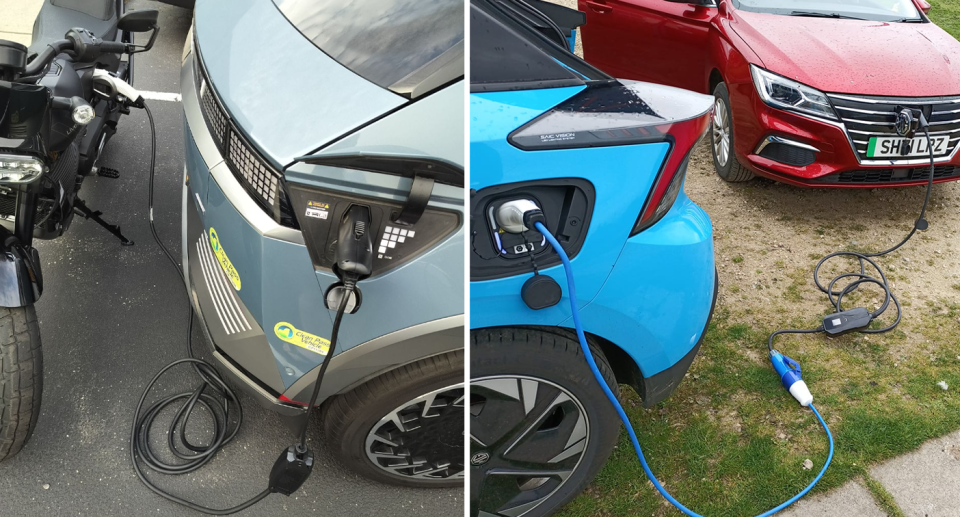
[[26, 214]]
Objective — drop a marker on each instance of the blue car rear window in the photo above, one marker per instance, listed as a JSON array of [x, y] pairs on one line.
[[508, 52], [392, 43]]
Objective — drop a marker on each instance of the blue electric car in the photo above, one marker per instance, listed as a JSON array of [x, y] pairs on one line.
[[297, 112], [605, 161]]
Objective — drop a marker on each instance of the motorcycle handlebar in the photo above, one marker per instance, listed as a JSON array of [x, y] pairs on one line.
[[112, 47], [81, 44], [46, 56]]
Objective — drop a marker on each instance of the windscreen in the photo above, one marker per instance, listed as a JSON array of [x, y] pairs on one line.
[[383, 41], [873, 10]]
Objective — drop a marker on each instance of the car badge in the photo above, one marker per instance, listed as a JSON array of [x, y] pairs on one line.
[[904, 122]]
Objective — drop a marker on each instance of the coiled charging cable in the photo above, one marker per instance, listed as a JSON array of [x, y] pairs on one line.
[[575, 311], [213, 394], [860, 318]]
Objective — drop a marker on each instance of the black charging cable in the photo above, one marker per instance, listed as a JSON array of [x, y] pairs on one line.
[[348, 284], [859, 319], [213, 394]]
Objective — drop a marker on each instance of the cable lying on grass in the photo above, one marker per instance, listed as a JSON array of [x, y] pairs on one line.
[[859, 318]]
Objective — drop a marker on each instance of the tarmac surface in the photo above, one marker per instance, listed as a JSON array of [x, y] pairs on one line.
[[111, 317]]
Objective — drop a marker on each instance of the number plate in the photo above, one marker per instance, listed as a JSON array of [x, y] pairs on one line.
[[899, 147]]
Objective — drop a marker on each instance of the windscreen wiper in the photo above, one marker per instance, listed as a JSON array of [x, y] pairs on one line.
[[815, 14]]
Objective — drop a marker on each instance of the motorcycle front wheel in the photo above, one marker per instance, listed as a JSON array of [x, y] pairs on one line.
[[21, 377]]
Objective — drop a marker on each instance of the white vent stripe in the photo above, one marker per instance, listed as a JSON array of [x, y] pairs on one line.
[[228, 292], [206, 278], [219, 288], [219, 300], [231, 306]]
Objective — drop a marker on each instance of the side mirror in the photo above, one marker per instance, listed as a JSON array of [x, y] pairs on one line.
[[142, 20], [924, 6]]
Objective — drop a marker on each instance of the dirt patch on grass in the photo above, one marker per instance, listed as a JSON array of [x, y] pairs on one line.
[[769, 237]]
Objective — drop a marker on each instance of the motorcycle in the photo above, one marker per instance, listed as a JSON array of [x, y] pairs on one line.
[[60, 102]]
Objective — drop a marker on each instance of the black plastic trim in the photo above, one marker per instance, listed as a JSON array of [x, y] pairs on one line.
[[440, 171], [659, 386]]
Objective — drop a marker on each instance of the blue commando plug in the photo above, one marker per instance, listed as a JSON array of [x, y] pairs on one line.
[[790, 376]]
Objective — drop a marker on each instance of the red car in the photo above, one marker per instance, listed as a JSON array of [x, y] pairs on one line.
[[810, 92]]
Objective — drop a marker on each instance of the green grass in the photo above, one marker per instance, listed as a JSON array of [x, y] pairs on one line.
[[946, 14], [883, 498], [731, 441]]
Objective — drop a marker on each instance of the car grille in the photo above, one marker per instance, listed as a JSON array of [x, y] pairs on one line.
[[259, 179], [888, 175], [875, 116]]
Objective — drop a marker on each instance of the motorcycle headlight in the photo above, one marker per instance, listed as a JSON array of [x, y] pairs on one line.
[[20, 169], [779, 92]]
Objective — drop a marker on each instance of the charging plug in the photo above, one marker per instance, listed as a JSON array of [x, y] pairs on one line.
[[791, 377], [847, 321], [354, 255], [291, 469], [519, 215]]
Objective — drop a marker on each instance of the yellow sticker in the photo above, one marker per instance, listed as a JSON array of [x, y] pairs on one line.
[[291, 334], [223, 260]]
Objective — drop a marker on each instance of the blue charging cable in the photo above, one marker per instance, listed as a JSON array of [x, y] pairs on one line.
[[575, 311]]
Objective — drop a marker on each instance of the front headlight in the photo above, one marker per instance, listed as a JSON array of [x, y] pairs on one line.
[[786, 94], [20, 169]]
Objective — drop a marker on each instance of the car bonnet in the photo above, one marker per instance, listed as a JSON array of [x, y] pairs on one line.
[[852, 56], [284, 93]]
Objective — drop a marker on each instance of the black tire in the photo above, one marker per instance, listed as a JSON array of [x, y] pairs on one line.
[[731, 170], [21, 378], [553, 356], [350, 421]]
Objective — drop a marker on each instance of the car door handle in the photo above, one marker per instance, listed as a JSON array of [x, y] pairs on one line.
[[599, 7]]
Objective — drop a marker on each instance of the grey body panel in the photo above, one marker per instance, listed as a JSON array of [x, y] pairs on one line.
[[427, 128], [284, 93]]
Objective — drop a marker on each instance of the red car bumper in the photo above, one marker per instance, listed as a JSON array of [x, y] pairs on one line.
[[835, 162]]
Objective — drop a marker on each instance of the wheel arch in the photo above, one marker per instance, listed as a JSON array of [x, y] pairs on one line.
[[714, 79], [625, 369], [360, 364]]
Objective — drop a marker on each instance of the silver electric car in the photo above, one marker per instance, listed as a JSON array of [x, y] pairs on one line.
[[296, 111]]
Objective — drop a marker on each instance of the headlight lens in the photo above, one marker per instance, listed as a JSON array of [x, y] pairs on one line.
[[779, 92], [83, 114], [20, 169]]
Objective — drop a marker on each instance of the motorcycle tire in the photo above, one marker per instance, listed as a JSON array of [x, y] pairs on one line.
[[21, 377]]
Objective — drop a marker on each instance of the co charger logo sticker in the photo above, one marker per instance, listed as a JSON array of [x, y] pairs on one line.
[[224, 260], [295, 336]]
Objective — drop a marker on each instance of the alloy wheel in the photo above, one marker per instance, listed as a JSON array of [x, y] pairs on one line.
[[721, 132], [423, 438], [527, 438]]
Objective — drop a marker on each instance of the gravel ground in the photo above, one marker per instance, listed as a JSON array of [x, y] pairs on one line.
[[769, 237]]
